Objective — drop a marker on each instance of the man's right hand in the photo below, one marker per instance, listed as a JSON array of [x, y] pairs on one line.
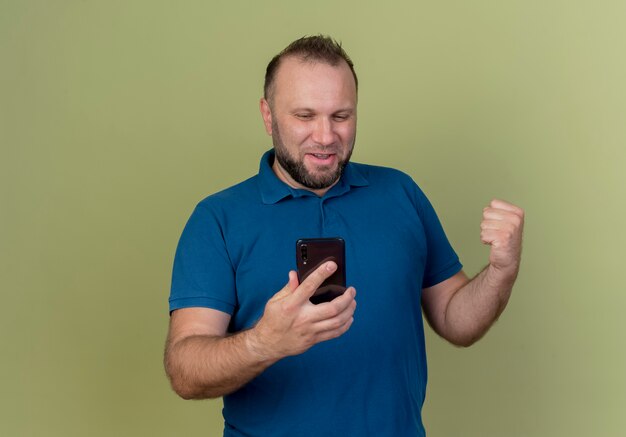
[[291, 324]]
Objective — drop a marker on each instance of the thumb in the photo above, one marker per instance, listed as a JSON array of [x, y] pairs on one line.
[[293, 281]]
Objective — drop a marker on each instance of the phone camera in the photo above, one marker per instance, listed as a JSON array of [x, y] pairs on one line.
[[303, 253]]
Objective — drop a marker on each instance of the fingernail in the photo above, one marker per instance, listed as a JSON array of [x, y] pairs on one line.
[[331, 266]]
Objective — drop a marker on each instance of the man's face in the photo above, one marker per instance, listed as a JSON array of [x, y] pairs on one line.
[[312, 120]]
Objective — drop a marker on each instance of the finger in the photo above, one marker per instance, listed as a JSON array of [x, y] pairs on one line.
[[329, 310], [499, 238], [293, 281], [504, 217], [492, 224], [306, 289], [489, 236], [333, 324], [498, 214], [502, 204], [334, 333], [338, 321], [509, 229]]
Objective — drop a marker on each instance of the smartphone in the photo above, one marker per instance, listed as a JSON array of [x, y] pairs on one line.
[[312, 253]]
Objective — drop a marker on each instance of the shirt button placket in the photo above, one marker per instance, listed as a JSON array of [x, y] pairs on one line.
[[328, 219]]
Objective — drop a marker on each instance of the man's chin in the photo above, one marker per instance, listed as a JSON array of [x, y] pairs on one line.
[[309, 173], [321, 179]]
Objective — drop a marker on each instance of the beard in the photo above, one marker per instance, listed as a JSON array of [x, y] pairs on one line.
[[298, 171]]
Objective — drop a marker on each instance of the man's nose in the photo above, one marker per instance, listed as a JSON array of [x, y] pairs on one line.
[[324, 133]]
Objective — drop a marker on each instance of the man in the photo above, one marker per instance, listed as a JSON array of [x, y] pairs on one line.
[[285, 366]]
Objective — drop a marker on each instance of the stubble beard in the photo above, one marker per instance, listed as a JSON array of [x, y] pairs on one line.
[[298, 171]]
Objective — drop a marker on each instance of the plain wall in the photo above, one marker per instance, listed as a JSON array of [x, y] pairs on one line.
[[117, 117]]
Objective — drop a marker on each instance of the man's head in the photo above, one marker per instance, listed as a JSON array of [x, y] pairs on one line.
[[312, 49], [309, 109]]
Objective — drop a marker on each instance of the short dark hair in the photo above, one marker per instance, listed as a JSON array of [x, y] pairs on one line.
[[319, 48]]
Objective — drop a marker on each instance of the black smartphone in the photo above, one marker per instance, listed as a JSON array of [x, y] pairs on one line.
[[312, 253]]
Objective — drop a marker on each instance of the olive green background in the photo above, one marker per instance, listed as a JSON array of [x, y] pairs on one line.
[[116, 117]]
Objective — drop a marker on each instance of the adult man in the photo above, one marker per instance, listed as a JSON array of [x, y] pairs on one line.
[[286, 366]]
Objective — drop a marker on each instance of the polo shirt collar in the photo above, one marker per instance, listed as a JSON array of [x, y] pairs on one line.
[[274, 190]]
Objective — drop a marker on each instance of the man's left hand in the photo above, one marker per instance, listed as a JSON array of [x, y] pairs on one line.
[[501, 228]]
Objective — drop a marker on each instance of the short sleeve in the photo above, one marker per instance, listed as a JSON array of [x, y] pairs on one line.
[[203, 275], [442, 261]]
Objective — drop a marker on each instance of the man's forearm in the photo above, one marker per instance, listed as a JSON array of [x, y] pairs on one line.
[[201, 367], [478, 304], [207, 366]]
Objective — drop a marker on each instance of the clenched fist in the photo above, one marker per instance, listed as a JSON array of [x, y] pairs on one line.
[[501, 228]]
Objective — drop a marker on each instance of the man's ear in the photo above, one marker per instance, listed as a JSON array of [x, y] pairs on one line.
[[266, 113]]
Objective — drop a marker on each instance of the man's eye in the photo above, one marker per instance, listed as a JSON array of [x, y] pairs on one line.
[[304, 116], [341, 117]]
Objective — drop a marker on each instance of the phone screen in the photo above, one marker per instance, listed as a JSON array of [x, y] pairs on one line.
[[312, 253]]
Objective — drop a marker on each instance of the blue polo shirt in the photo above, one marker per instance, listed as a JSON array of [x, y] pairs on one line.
[[235, 253]]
